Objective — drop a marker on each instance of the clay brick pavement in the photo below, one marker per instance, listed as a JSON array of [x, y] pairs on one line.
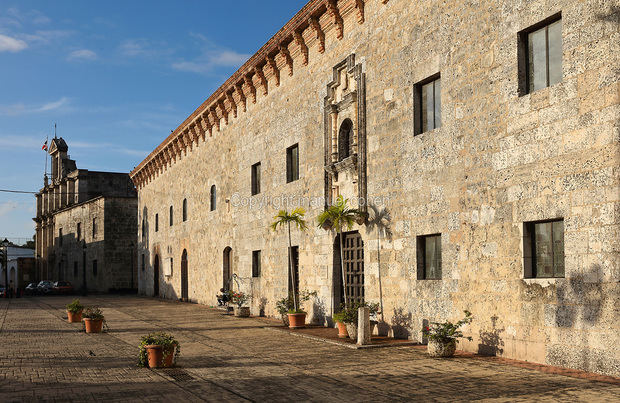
[[42, 357]]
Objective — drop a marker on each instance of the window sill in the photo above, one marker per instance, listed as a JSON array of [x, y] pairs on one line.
[[543, 281]]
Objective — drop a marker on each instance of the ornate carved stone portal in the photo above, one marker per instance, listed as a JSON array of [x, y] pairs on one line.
[[345, 134]]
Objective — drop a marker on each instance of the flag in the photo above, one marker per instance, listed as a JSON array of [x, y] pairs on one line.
[[44, 146]]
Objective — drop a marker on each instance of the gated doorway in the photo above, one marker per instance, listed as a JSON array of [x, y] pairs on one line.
[[156, 277], [226, 268], [353, 256], [184, 280]]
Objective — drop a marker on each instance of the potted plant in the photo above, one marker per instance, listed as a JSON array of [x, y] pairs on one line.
[[349, 316], [158, 350], [296, 315], [340, 323], [283, 306], [442, 337], [74, 311], [240, 298], [93, 319]]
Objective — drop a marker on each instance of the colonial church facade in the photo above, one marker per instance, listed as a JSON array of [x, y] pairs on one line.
[[480, 139], [86, 226]]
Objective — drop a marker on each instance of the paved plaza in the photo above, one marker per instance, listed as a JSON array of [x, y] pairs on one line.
[[224, 358]]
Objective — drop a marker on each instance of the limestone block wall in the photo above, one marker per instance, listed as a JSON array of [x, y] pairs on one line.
[[499, 159], [110, 245]]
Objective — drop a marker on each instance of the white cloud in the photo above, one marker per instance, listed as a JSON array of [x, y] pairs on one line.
[[20, 108], [82, 55], [211, 57], [8, 44]]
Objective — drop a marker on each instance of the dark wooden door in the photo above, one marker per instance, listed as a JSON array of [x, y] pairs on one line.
[[156, 277], [184, 279], [353, 251], [226, 272]]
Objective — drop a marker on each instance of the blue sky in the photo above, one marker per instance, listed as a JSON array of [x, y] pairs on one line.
[[116, 77]]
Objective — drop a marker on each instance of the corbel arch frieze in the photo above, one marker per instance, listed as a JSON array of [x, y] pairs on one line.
[[231, 100], [260, 74], [334, 12], [359, 7], [286, 55], [250, 84], [206, 124], [223, 110], [241, 94], [298, 37], [275, 72], [318, 32]]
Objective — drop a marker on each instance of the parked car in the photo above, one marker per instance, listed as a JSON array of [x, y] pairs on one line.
[[63, 287], [45, 287], [31, 289]]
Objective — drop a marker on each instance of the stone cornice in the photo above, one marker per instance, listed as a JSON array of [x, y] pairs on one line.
[[306, 29]]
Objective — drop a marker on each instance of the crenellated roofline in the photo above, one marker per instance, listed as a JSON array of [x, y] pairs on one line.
[[306, 29]]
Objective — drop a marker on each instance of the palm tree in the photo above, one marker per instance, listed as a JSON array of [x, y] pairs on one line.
[[296, 217], [337, 217], [380, 221]]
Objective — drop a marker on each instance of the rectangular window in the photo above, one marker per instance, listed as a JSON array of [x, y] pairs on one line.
[[79, 231], [95, 268], [171, 216], [427, 104], [256, 263], [543, 247], [75, 269], [429, 257], [294, 256], [256, 179], [156, 222], [292, 163], [94, 228], [60, 236], [540, 55], [143, 263]]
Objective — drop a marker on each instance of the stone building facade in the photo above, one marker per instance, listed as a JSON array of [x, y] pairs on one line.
[[482, 138], [86, 226]]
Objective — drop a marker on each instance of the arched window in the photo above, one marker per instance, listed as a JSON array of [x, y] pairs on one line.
[[344, 139], [171, 217], [184, 209], [213, 198]]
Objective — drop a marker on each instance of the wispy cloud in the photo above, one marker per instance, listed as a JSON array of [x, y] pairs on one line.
[[107, 146], [21, 108], [8, 44], [7, 207], [144, 48], [82, 55], [35, 143], [211, 57], [13, 141]]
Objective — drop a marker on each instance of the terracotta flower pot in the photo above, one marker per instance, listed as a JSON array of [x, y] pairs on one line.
[[93, 325], [342, 330], [352, 330], [74, 317], [155, 355], [242, 311], [159, 357], [296, 320], [441, 349]]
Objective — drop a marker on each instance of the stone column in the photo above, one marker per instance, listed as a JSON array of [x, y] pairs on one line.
[[363, 325]]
